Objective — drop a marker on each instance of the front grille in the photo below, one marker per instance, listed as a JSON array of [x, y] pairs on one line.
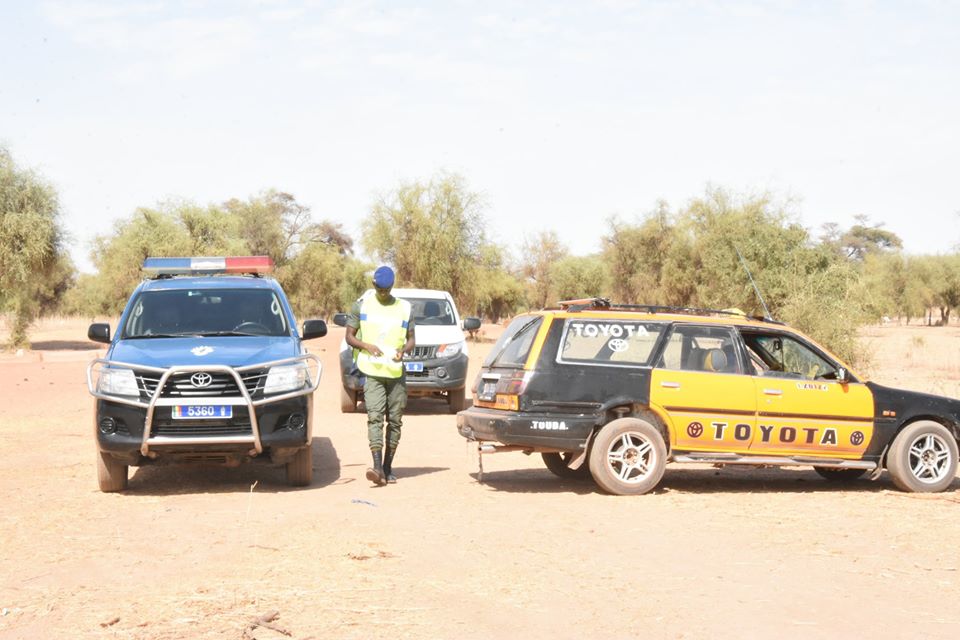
[[419, 374], [222, 385], [423, 353], [201, 428]]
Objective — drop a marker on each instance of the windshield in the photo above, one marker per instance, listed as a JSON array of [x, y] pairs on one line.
[[431, 311], [206, 312]]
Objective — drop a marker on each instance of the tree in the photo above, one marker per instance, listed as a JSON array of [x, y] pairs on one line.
[[320, 280], [34, 269], [497, 292], [272, 224], [431, 233], [576, 277], [541, 252], [863, 239]]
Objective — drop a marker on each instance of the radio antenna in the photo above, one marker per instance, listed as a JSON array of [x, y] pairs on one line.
[[766, 312]]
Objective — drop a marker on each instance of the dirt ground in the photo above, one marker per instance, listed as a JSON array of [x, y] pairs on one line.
[[192, 552]]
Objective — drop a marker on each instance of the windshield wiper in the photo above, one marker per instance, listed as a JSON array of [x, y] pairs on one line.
[[213, 334], [150, 336]]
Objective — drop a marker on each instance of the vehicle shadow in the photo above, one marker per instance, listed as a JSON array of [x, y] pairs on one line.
[[181, 479], [534, 481], [705, 481]]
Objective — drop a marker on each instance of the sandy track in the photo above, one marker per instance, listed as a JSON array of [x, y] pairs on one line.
[[201, 552]]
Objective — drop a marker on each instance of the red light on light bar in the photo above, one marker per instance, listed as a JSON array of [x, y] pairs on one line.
[[249, 264]]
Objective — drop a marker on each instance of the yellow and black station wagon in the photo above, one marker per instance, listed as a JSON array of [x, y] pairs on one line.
[[617, 391]]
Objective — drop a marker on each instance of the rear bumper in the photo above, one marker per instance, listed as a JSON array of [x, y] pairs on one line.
[[535, 430]]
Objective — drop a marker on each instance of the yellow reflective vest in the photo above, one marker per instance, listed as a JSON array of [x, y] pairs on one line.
[[385, 326]]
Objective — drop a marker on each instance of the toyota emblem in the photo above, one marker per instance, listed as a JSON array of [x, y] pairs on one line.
[[201, 379]]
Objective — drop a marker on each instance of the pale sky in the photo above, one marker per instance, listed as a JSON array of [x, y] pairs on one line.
[[560, 113]]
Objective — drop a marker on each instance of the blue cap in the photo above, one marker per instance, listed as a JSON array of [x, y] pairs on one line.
[[383, 277]]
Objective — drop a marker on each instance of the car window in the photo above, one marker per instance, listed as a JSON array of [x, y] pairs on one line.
[[603, 341], [700, 348], [783, 356], [431, 311], [191, 312], [512, 348]]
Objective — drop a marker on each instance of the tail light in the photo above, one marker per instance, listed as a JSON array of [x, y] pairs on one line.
[[501, 391]]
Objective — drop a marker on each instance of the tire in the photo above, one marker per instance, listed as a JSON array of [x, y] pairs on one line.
[[457, 399], [111, 475], [557, 463], [300, 469], [839, 475], [923, 458], [628, 457], [348, 400]]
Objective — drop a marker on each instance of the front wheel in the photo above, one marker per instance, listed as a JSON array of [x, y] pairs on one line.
[[558, 465], [111, 475], [923, 458], [457, 399], [628, 457], [348, 400], [300, 469]]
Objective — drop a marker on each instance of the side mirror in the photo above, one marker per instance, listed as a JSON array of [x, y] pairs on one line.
[[99, 332], [340, 319], [471, 324], [843, 376], [314, 329]]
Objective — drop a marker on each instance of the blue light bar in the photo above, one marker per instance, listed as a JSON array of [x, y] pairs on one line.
[[206, 265]]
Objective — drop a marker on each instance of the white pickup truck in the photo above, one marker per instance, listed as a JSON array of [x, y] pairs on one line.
[[438, 364]]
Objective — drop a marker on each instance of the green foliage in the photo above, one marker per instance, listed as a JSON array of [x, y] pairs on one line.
[[320, 280], [690, 259], [577, 277], [541, 253], [34, 269], [431, 233], [496, 293]]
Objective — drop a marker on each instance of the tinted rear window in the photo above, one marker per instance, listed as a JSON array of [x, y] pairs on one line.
[[609, 342], [514, 344]]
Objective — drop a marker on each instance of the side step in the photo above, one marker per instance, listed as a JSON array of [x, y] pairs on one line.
[[803, 461]]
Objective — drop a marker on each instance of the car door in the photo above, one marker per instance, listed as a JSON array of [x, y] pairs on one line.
[[699, 384], [802, 409]]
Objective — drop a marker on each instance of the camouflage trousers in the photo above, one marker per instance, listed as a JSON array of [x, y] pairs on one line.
[[385, 398]]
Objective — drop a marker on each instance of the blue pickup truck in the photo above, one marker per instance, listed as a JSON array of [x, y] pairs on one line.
[[207, 366]]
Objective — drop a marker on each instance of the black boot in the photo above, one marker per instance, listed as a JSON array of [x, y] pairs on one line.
[[388, 466], [375, 473]]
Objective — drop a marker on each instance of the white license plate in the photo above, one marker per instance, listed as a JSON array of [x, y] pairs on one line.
[[488, 390], [202, 411], [413, 367]]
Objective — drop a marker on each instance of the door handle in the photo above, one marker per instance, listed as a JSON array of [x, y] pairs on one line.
[[773, 392], [670, 385]]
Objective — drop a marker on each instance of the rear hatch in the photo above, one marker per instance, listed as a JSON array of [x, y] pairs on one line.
[[504, 376]]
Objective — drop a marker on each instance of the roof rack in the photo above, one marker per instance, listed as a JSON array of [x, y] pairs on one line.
[[604, 304]]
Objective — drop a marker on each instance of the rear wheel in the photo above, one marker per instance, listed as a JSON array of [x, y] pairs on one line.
[[628, 457], [348, 400], [839, 475], [300, 469], [923, 458], [558, 465], [457, 399], [111, 475]]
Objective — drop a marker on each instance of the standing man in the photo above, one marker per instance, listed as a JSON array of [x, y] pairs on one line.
[[380, 330]]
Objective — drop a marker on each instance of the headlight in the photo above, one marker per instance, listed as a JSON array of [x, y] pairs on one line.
[[286, 378], [450, 350], [118, 382]]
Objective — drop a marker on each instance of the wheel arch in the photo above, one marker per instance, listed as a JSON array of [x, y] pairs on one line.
[[631, 408]]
